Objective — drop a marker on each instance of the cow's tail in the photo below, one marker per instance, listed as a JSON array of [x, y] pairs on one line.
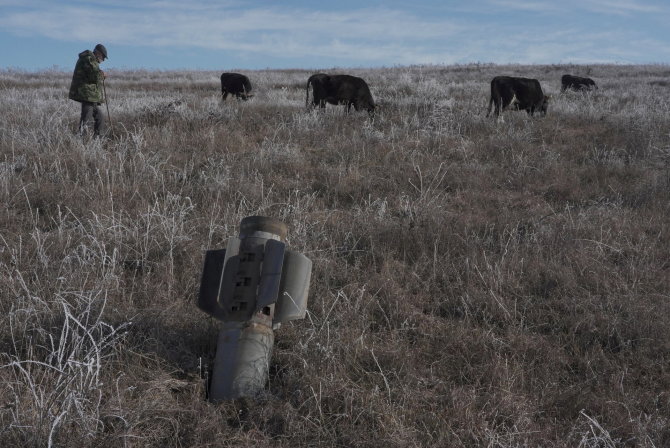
[[307, 93], [488, 112]]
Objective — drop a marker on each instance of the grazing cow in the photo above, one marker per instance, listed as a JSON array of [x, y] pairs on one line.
[[518, 94], [577, 83], [235, 84], [340, 89]]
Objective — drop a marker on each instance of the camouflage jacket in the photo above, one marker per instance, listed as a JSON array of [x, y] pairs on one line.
[[87, 79]]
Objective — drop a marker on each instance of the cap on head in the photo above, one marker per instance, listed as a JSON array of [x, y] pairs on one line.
[[100, 48]]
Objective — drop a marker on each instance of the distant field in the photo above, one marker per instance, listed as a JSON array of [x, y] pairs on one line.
[[475, 283]]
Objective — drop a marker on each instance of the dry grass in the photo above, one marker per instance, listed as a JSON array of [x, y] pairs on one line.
[[475, 283]]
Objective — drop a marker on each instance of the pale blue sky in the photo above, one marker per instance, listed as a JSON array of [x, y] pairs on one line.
[[255, 34]]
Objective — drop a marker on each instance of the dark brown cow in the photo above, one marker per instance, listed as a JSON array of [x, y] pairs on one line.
[[340, 89], [235, 84], [577, 83], [518, 94]]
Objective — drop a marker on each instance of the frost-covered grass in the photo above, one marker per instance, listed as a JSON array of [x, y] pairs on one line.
[[476, 283]]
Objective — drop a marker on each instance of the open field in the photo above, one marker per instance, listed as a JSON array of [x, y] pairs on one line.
[[475, 283]]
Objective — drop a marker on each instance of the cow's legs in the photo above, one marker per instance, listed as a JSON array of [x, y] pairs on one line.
[[224, 95], [498, 110]]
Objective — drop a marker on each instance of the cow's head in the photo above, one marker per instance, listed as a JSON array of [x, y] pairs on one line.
[[367, 104], [545, 104]]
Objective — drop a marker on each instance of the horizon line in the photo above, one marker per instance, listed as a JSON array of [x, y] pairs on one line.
[[60, 68]]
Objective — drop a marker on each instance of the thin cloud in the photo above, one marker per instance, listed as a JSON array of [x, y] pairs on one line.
[[534, 6], [365, 36], [622, 6], [615, 7], [362, 34]]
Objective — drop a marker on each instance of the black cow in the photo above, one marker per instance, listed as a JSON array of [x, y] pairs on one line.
[[235, 84], [519, 93], [340, 89], [577, 83]]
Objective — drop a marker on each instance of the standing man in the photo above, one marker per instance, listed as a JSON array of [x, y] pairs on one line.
[[87, 89]]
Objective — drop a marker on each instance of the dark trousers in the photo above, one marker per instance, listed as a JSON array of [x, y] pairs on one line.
[[91, 111]]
